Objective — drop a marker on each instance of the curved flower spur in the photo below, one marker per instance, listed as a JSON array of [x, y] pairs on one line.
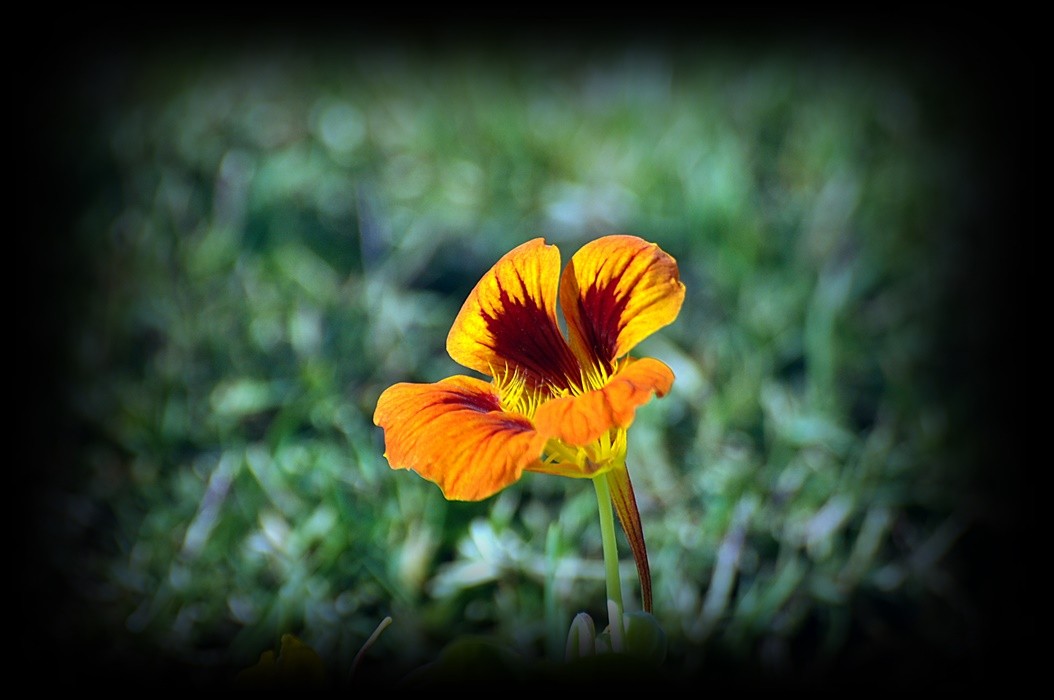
[[554, 404]]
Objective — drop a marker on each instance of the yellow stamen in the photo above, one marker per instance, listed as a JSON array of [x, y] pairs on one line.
[[605, 453], [514, 393]]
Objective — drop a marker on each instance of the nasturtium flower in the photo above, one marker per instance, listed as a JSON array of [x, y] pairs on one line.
[[555, 403]]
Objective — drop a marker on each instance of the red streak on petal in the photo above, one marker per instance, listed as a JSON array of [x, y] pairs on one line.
[[480, 402], [527, 338], [602, 312]]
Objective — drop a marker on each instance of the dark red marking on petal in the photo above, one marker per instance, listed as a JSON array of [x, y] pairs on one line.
[[526, 336], [602, 311], [482, 403]]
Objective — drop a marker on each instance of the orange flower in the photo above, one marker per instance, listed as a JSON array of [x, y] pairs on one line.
[[555, 404]]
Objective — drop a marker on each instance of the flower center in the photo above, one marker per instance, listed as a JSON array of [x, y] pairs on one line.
[[518, 395], [601, 455]]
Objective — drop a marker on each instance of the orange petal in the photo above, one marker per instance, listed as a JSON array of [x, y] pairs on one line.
[[579, 420], [455, 434], [615, 292], [629, 516], [509, 321]]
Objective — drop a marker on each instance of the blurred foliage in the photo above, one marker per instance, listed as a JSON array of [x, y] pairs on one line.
[[270, 237]]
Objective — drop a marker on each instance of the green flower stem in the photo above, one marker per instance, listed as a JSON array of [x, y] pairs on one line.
[[614, 587]]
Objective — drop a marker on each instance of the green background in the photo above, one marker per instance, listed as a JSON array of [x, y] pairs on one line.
[[237, 244]]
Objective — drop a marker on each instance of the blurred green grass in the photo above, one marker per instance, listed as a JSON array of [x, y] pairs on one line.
[[267, 239]]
